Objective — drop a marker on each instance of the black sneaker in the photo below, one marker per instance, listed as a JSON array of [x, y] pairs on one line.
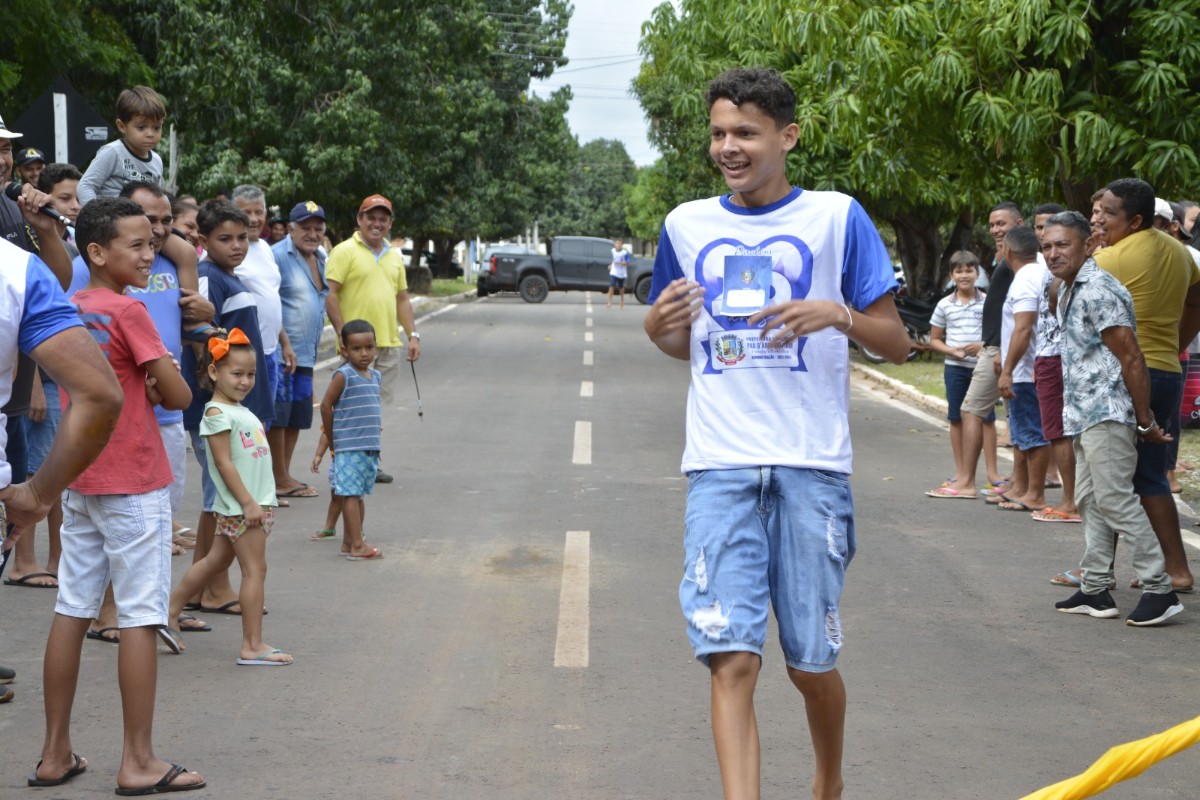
[[7, 675], [382, 477], [1154, 609], [1094, 605], [6, 694]]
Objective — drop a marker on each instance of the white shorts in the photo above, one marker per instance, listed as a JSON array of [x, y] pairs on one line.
[[122, 537], [175, 441]]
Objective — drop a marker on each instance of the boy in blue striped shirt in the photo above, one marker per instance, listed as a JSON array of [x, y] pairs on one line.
[[352, 423]]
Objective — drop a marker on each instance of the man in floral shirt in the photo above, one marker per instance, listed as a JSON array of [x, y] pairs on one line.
[[1106, 407]]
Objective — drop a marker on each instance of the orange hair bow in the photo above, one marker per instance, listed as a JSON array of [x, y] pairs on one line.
[[219, 347]]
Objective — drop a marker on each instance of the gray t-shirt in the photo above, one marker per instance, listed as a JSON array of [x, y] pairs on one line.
[[113, 167]]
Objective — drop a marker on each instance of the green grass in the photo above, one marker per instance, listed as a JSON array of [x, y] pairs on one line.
[[924, 374], [445, 287]]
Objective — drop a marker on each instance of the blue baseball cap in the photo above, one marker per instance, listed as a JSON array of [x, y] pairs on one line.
[[306, 210]]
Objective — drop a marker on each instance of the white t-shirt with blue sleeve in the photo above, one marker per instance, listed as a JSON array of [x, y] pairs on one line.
[[750, 404], [32, 309]]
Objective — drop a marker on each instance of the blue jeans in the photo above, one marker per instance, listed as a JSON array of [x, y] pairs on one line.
[[1166, 396], [39, 436], [1025, 418], [767, 537], [207, 487]]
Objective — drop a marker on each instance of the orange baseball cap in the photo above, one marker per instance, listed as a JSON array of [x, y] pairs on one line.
[[375, 201]]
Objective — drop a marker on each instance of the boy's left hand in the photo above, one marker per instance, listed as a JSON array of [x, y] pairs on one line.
[[797, 318]]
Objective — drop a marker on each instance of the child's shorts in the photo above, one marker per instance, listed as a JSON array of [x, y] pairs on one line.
[[125, 537], [352, 472], [616, 283], [232, 528], [760, 538], [958, 381], [39, 436]]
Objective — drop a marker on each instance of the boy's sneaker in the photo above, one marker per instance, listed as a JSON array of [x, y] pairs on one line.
[[7, 675], [1094, 605], [1154, 609]]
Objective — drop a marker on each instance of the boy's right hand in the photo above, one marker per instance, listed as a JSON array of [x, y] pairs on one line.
[[316, 462]]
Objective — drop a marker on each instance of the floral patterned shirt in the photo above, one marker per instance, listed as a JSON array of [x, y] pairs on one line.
[[1094, 389]]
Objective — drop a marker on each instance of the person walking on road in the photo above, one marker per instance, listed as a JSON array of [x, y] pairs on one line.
[[618, 271], [1106, 407], [366, 280], [769, 520]]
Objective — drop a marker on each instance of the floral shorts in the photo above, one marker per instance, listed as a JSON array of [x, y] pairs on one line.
[[352, 472], [234, 527]]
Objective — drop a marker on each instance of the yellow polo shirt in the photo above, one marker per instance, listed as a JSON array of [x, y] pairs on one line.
[[1157, 271], [369, 285]]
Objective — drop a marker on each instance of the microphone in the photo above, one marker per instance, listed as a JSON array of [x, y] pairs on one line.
[[13, 191]]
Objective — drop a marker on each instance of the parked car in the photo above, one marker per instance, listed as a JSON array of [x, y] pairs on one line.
[[430, 258], [574, 263]]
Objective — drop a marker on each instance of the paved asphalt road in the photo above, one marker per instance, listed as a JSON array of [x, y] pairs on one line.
[[432, 673]]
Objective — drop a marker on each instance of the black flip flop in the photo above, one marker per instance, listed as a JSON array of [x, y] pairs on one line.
[[100, 637], [193, 629], [79, 768], [24, 581], [225, 609], [165, 784]]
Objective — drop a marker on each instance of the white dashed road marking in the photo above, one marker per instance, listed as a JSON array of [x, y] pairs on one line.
[[587, 358], [571, 646], [585, 389], [583, 443]]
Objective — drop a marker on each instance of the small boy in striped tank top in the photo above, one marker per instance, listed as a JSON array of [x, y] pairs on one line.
[[352, 424]]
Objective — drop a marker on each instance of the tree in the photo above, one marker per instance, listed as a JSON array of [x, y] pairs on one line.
[[601, 175], [930, 112]]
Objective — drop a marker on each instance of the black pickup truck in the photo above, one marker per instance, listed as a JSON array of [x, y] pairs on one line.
[[574, 263]]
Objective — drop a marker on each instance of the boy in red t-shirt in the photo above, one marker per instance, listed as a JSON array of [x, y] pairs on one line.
[[117, 514]]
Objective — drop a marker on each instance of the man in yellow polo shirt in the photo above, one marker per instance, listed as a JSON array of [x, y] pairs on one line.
[[364, 274], [1165, 285]]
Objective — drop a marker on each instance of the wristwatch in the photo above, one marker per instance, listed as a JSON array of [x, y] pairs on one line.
[[1143, 431], [415, 335]]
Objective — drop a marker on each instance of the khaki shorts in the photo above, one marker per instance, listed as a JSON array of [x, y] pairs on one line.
[[388, 361], [984, 390]]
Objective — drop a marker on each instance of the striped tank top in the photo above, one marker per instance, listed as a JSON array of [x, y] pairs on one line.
[[357, 420]]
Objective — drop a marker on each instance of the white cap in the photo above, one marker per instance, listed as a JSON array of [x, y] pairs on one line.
[[5, 133], [1163, 209]]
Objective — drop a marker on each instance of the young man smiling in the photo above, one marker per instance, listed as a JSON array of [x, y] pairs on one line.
[[759, 289]]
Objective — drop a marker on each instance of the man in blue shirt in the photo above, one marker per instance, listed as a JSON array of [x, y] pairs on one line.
[[302, 289]]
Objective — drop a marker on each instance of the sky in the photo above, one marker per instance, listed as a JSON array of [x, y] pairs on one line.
[[602, 45]]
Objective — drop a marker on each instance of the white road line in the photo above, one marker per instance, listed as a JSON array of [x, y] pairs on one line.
[[587, 358], [571, 645], [1190, 538], [587, 337], [588, 322], [583, 443], [585, 389]]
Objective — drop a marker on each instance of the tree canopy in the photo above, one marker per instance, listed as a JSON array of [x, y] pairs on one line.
[[601, 176], [426, 102], [930, 112]]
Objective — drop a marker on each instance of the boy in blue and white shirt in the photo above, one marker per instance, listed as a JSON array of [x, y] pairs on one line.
[[759, 289]]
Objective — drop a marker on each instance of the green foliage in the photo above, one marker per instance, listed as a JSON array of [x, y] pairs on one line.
[[601, 176], [426, 102], [929, 112]]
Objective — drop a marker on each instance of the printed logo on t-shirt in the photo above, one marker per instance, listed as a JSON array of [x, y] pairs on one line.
[[719, 269], [256, 440]]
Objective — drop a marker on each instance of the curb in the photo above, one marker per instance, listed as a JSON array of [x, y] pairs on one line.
[[930, 403]]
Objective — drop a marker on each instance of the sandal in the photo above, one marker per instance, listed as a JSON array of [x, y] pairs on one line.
[[323, 534]]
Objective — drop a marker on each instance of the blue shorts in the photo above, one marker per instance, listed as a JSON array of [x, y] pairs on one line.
[[207, 487], [294, 399], [958, 380], [15, 451], [761, 538], [274, 367], [39, 436], [1025, 418], [352, 472], [616, 283], [1166, 396]]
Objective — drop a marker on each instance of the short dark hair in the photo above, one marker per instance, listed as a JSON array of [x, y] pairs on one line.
[[356, 326], [217, 212], [1048, 208], [1008, 206], [206, 358], [762, 86], [1137, 198], [97, 222], [56, 173], [183, 202], [1071, 220], [1022, 242], [140, 100], [134, 186], [964, 258]]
